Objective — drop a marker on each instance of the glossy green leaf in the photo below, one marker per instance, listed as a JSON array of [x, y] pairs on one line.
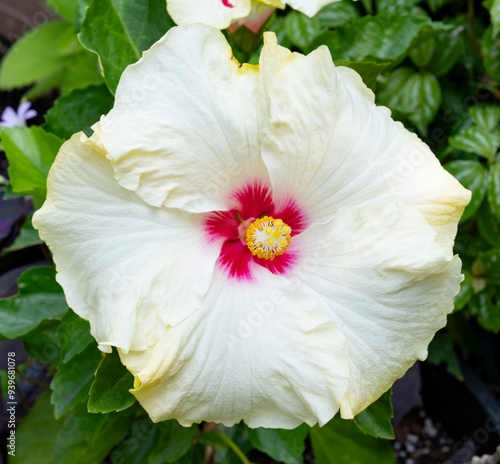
[[368, 70], [73, 336], [473, 176], [441, 350], [81, 71], [136, 446], [73, 379], [174, 442], [486, 116], [65, 8], [413, 96], [495, 16], [282, 445], [34, 56], [28, 236], [120, 30], [88, 438], [301, 30], [494, 190], [476, 139], [490, 47], [379, 38], [40, 298], [489, 227], [449, 46], [78, 111], [375, 420], [337, 14], [395, 6], [42, 345], [110, 389], [31, 152], [486, 307], [466, 291], [341, 442], [422, 53], [36, 434]]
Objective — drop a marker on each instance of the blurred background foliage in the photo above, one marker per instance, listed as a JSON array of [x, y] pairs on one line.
[[434, 63]]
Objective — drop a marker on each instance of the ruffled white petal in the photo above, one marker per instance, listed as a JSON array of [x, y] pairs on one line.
[[331, 146], [129, 268], [186, 127], [261, 351], [211, 12], [309, 7], [389, 286]]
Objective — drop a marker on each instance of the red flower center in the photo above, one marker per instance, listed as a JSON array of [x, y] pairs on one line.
[[251, 202], [226, 3]]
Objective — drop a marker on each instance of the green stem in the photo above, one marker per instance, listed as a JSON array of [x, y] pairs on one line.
[[472, 26], [234, 447]]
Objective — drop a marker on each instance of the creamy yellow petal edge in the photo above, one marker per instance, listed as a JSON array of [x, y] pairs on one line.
[[122, 263], [309, 7]]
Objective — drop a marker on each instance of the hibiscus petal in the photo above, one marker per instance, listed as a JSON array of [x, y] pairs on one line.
[[331, 146], [124, 265], [309, 7], [186, 127], [217, 13], [265, 352], [389, 286]]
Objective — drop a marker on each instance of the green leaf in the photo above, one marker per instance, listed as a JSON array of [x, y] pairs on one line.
[[282, 445], [301, 30], [28, 236], [449, 46], [475, 139], [40, 298], [136, 446], [73, 336], [110, 389], [78, 111], [36, 434], [412, 96], [337, 14], [494, 190], [81, 71], [489, 228], [380, 38], [42, 344], [441, 350], [490, 48], [73, 379], [120, 30], [495, 16], [174, 442], [486, 116], [488, 266], [30, 152], [395, 6], [34, 56], [422, 53], [341, 442], [368, 70], [486, 307], [473, 176], [64, 8], [437, 4], [88, 438], [466, 291], [375, 420]]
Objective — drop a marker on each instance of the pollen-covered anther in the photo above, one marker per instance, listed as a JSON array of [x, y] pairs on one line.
[[268, 237]]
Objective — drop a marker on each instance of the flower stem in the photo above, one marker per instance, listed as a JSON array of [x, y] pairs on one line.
[[234, 447]]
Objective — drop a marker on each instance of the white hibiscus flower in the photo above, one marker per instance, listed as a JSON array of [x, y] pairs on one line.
[[259, 242], [223, 13]]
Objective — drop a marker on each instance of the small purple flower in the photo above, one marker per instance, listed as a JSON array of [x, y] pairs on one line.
[[11, 118]]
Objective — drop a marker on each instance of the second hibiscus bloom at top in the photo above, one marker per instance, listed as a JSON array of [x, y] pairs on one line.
[[231, 13]]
